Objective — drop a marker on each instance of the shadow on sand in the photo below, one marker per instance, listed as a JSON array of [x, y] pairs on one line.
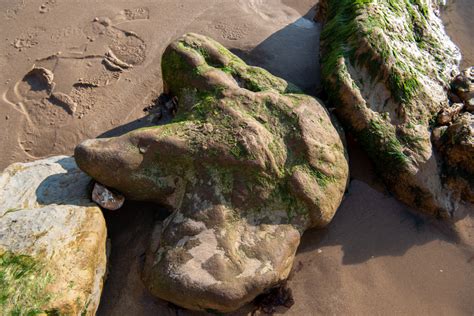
[[371, 224], [290, 53]]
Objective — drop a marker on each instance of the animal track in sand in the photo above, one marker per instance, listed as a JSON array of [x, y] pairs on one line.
[[136, 14], [27, 39], [232, 32], [59, 35], [46, 6], [62, 88], [12, 12]]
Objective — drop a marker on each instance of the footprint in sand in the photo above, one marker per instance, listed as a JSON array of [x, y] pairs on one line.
[[61, 89]]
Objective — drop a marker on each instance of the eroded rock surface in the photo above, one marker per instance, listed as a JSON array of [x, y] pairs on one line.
[[248, 164], [456, 144], [52, 240], [463, 88], [387, 67]]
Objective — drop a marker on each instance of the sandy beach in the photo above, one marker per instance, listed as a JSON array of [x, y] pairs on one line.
[[375, 258]]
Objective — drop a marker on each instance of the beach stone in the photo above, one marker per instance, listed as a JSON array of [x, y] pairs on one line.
[[247, 165], [106, 198], [457, 147], [447, 115], [387, 67], [52, 240], [463, 86]]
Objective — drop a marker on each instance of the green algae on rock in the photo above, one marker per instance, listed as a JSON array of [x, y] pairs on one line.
[[52, 245], [387, 66], [247, 165]]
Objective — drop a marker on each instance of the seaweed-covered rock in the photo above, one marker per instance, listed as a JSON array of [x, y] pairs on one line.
[[248, 164], [387, 66], [52, 240]]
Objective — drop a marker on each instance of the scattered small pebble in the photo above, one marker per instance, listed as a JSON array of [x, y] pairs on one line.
[[6, 117]]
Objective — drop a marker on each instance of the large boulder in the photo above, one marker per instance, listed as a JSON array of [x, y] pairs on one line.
[[52, 240], [248, 164], [387, 66]]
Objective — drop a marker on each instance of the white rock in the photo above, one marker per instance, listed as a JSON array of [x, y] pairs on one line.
[[52, 233]]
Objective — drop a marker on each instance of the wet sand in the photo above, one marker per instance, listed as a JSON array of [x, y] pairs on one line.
[[459, 22], [66, 39], [374, 258]]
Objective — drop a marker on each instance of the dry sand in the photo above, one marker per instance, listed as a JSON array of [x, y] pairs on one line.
[[374, 258]]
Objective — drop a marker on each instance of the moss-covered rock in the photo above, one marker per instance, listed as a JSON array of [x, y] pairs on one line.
[[247, 165], [387, 66], [52, 240]]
